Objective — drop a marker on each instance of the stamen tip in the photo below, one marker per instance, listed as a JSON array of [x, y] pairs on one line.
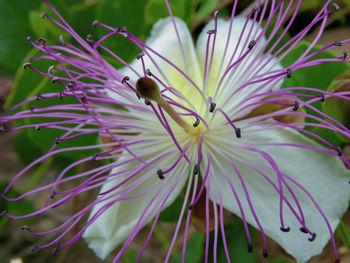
[[250, 247], [43, 15], [34, 248], [238, 132], [265, 255], [196, 123], [285, 229], [312, 238], [94, 23], [25, 65], [212, 107], [196, 169], [160, 174], [251, 44]]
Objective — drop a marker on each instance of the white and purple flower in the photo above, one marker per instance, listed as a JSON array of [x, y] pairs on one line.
[[196, 119]]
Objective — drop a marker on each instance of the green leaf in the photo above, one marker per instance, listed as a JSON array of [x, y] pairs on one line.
[[171, 213], [344, 233], [14, 28], [206, 8], [194, 249], [156, 9]]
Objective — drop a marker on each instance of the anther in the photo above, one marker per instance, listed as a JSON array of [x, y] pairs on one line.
[[94, 23], [32, 108], [83, 99], [285, 229], [337, 44], [147, 102], [296, 105], [29, 38], [93, 157], [50, 69], [25, 228], [121, 29], [138, 96], [43, 15], [323, 97], [125, 79], [238, 132], [37, 127], [289, 73], [41, 40], [212, 107], [251, 44], [25, 65], [190, 207], [3, 213], [2, 128], [345, 54], [196, 123], [337, 260], [216, 14], [196, 169], [140, 55], [160, 174], [211, 31], [256, 9], [57, 141], [54, 79], [71, 84], [52, 194], [302, 229], [54, 250], [265, 253], [89, 38], [60, 95], [312, 238], [250, 247], [336, 6], [62, 40], [38, 97], [339, 150], [148, 72], [34, 248]]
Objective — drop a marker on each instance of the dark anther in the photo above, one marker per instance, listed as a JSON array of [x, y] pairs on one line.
[[37, 127], [337, 44], [289, 73], [25, 228], [138, 96], [212, 107], [25, 65], [29, 38], [196, 169], [60, 95], [312, 238], [3, 213], [62, 39], [54, 251], [251, 44], [52, 194], [256, 9], [160, 174], [148, 72], [265, 253], [190, 207], [336, 6], [339, 150], [196, 123], [337, 260], [323, 97], [250, 247], [211, 31], [57, 141], [121, 29], [93, 157], [53, 80], [238, 132], [216, 14], [345, 54], [140, 55], [285, 229], [296, 105], [302, 229], [95, 23], [147, 102], [41, 40], [71, 84], [34, 248], [2, 128], [50, 69], [83, 99], [38, 97], [43, 15], [32, 108], [125, 79], [89, 38]]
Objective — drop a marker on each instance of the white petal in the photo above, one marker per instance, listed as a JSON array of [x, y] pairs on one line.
[[164, 40], [116, 224], [323, 175], [221, 60]]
